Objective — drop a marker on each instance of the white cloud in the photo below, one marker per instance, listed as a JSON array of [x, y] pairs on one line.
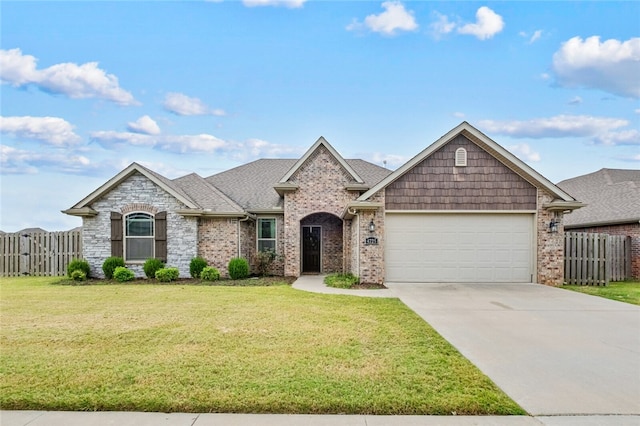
[[253, 148], [145, 125], [394, 18], [536, 36], [600, 130], [183, 144], [488, 23], [291, 4], [390, 161], [181, 104], [441, 25], [459, 114], [73, 80], [110, 139], [50, 130], [18, 161], [612, 66], [524, 152]]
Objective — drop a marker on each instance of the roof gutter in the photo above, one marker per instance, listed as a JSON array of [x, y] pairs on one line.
[[212, 214], [602, 223]]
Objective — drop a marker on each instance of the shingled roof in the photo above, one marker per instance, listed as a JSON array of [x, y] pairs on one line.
[[251, 185], [612, 197]]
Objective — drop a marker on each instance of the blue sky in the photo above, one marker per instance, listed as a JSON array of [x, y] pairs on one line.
[[203, 86]]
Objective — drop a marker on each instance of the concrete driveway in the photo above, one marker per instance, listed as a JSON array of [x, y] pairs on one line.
[[555, 352]]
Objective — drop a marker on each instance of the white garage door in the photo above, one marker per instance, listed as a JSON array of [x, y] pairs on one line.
[[459, 247]]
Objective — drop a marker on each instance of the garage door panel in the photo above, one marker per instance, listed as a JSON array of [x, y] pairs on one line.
[[459, 247]]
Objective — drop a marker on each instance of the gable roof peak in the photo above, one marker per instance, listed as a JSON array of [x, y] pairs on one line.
[[321, 142]]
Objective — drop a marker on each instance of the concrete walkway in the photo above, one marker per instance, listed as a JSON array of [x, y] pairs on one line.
[[117, 418], [315, 284]]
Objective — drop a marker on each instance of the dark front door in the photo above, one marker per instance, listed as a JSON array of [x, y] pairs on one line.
[[311, 242]]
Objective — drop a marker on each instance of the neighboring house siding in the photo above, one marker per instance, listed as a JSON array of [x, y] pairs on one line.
[[629, 229], [137, 193], [321, 180], [218, 242], [550, 254], [437, 184]]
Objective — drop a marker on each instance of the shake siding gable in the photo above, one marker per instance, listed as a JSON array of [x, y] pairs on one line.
[[437, 184]]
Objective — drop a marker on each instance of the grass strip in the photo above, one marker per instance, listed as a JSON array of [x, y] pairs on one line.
[[623, 291]]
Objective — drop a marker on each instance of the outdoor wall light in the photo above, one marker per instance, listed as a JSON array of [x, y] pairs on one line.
[[372, 226], [553, 226]]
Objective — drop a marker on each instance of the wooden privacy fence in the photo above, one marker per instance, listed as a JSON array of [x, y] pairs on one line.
[[38, 253], [596, 259]]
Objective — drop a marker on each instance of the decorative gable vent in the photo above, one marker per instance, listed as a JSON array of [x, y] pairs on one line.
[[461, 157]]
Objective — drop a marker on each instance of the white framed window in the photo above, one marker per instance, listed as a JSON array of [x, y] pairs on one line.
[[266, 234], [461, 157], [139, 237]]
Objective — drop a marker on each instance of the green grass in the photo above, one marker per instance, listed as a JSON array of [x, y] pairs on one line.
[[624, 291], [195, 348]]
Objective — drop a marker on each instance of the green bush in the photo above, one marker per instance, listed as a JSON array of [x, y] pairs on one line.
[[196, 266], [151, 266], [167, 274], [123, 274], [209, 273], [341, 280], [109, 266], [238, 268], [78, 275], [78, 265]]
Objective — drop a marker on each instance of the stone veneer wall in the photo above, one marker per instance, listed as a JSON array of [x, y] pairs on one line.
[[218, 242], [550, 255], [321, 181], [629, 229], [137, 193]]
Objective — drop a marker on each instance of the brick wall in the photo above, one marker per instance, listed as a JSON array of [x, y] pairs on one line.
[[321, 180], [137, 193], [332, 240], [218, 242], [629, 229], [550, 256]]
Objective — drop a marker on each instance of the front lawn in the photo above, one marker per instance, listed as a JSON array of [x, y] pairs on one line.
[[624, 291], [194, 348]]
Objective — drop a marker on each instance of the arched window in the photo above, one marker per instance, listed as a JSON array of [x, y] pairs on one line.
[[461, 157], [139, 237]]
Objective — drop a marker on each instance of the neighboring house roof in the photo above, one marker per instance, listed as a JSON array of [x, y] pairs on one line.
[[612, 196], [563, 201]]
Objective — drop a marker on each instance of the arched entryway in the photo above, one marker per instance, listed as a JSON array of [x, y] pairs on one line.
[[321, 244]]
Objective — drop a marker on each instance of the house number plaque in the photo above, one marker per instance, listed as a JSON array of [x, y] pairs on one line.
[[371, 241]]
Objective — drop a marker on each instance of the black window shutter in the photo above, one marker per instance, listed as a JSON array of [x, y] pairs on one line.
[[116, 234], [161, 236]]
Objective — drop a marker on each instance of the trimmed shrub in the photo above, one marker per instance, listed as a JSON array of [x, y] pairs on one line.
[[78, 275], [78, 265], [196, 266], [151, 266], [341, 280], [167, 274], [238, 268], [123, 274], [109, 266], [209, 273]]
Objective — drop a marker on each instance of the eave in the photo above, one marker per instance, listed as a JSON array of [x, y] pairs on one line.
[[81, 212], [283, 187], [211, 214], [354, 207], [561, 205]]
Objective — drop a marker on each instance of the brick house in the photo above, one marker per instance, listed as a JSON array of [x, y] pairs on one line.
[[612, 198], [462, 210]]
